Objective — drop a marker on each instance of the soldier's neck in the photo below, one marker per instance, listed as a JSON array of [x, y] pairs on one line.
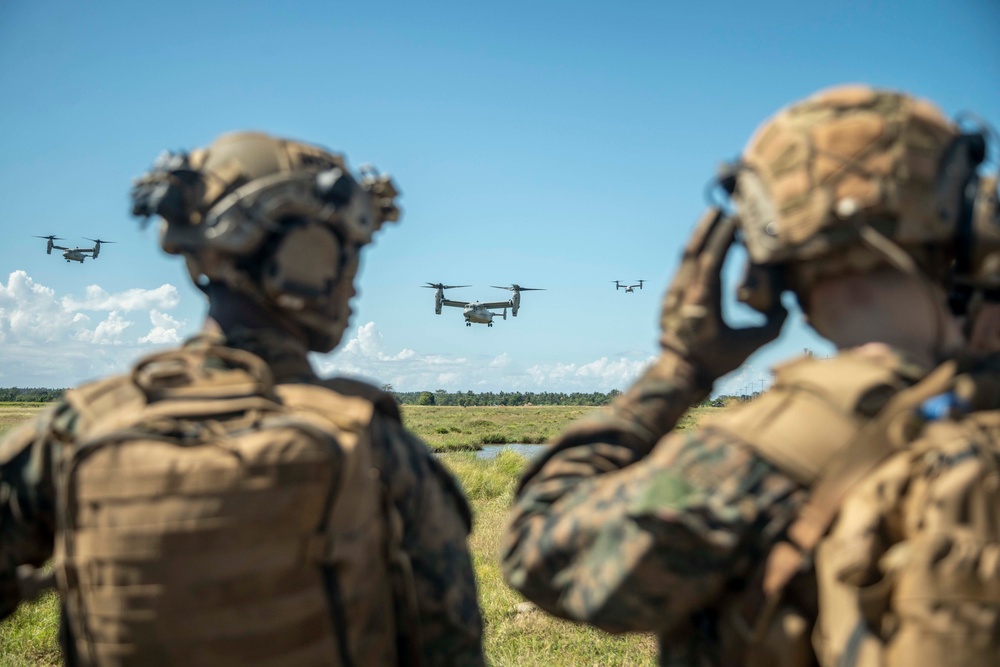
[[886, 307], [247, 326]]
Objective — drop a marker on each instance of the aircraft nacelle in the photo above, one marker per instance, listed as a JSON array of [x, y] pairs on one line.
[[48, 247], [515, 302], [438, 298], [97, 249]]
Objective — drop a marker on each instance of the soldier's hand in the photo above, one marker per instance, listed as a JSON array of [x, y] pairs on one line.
[[691, 321]]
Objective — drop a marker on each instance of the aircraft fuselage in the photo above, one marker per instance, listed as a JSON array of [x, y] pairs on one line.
[[75, 256], [478, 313]]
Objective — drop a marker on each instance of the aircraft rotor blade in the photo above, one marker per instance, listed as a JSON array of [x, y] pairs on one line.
[[51, 237], [517, 288], [99, 240], [441, 286]]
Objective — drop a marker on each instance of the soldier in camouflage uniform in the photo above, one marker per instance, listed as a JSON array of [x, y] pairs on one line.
[[271, 230], [850, 200]]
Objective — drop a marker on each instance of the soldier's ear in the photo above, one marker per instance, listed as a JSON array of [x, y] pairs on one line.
[[301, 270]]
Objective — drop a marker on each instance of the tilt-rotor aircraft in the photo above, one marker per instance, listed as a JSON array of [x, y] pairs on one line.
[[628, 288], [73, 254], [477, 311]]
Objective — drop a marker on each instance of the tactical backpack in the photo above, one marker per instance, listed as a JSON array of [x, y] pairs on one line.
[[909, 574], [210, 517]]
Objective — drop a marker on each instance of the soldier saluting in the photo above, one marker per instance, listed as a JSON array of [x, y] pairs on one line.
[[220, 504], [868, 206]]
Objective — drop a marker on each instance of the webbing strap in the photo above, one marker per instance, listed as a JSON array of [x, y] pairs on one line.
[[873, 445]]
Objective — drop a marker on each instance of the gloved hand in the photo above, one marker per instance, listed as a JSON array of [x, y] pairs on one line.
[[691, 319]]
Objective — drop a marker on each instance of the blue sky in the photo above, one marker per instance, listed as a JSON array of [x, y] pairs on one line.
[[552, 144]]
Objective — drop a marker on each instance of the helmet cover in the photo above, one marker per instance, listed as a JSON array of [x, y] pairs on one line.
[[821, 171], [276, 219]]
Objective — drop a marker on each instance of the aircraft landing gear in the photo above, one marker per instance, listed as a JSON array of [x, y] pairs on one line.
[[468, 324], [489, 324]]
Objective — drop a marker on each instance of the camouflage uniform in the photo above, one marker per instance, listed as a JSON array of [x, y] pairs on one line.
[[634, 533], [334, 563], [629, 526], [435, 514]]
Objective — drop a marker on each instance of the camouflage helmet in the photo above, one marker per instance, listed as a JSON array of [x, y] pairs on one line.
[[843, 178], [275, 219]]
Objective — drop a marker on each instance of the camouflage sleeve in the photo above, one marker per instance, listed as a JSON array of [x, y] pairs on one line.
[[27, 502], [437, 523], [642, 548]]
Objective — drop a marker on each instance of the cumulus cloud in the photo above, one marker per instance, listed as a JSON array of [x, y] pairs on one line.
[[58, 340], [602, 374], [365, 356], [112, 330], [500, 361], [165, 329], [368, 344], [163, 297]]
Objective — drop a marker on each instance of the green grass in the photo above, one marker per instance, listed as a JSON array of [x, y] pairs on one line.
[[453, 428], [12, 414], [30, 636], [517, 633]]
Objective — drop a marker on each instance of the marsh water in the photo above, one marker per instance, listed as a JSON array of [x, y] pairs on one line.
[[528, 451]]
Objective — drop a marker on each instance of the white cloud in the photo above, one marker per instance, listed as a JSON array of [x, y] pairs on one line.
[[165, 329], [603, 374], [111, 331], [163, 297], [365, 356], [56, 341], [368, 344], [500, 361]]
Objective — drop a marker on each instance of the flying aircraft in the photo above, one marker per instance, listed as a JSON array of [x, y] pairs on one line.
[[476, 311], [73, 254], [627, 288]]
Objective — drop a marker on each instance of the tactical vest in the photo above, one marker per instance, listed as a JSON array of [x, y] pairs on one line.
[[909, 575], [209, 517], [814, 410]]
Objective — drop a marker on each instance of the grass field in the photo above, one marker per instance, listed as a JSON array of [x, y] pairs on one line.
[[516, 632], [454, 428]]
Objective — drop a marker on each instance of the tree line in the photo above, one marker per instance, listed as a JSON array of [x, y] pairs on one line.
[[509, 398], [515, 398], [439, 397], [29, 394]]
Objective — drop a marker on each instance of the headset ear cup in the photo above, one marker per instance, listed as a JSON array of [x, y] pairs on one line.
[[985, 233], [955, 193], [301, 271]]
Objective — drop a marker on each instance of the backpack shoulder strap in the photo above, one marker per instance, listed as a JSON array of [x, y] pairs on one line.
[[317, 403], [192, 382], [95, 402], [383, 401], [874, 444], [830, 399]]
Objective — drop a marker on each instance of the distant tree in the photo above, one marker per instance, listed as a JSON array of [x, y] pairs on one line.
[[468, 398], [387, 388], [29, 394]]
